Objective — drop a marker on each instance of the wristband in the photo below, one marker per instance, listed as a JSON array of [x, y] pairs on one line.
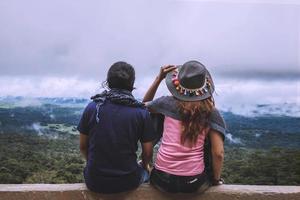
[[218, 181]]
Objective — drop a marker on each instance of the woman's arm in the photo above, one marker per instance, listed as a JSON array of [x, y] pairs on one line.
[[84, 141], [153, 88], [217, 150]]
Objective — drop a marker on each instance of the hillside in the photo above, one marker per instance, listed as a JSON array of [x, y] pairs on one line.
[[39, 143]]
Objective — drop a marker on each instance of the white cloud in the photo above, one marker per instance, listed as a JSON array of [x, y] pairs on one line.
[[228, 91], [232, 139], [47, 87], [257, 91], [37, 127], [292, 2], [240, 96], [77, 38]]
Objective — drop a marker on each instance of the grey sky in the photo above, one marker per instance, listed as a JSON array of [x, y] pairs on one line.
[[83, 38], [64, 47]]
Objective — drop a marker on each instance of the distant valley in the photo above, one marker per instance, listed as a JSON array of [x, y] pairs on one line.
[[57, 117], [39, 142]]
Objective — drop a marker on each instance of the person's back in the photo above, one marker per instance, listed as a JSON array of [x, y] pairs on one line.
[[191, 123], [115, 138], [175, 158], [110, 128]]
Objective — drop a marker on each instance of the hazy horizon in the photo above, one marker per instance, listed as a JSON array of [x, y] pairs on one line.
[[64, 48]]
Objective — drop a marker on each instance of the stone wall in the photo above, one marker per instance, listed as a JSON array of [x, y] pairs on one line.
[[147, 192]]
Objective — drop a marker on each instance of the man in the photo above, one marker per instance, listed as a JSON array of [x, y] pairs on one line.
[[110, 128]]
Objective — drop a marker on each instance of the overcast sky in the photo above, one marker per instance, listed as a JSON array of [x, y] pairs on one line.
[[47, 47]]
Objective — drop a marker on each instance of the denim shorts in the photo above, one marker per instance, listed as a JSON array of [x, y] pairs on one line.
[[145, 177], [174, 184]]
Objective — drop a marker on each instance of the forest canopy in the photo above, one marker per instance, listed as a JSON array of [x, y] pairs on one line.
[[29, 158]]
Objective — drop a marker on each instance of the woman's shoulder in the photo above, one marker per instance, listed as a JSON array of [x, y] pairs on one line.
[[166, 105], [217, 117], [217, 122], [163, 100], [162, 103]]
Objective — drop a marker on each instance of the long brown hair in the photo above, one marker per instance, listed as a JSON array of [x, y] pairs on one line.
[[195, 117]]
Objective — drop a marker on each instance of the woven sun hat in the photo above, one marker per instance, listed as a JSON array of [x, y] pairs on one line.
[[190, 82]]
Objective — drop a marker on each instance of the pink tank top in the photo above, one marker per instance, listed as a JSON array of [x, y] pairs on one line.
[[175, 158]]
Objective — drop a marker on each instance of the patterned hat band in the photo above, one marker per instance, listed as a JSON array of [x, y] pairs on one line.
[[190, 92]]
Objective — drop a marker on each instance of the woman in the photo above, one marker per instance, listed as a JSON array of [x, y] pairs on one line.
[[190, 117]]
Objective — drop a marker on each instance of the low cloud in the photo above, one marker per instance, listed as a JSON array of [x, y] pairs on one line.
[[66, 38], [230, 93], [263, 74], [36, 126], [47, 87], [232, 139], [286, 2]]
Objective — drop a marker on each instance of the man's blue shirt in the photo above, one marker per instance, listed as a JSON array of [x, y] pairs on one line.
[[111, 164]]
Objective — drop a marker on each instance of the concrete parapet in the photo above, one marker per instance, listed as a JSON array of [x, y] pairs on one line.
[[145, 192]]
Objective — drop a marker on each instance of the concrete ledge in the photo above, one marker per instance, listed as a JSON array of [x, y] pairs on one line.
[[80, 192]]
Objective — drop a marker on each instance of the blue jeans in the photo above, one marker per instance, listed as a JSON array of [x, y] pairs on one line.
[[145, 175]]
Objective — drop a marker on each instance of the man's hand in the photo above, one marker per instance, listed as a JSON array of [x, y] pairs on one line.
[[146, 167], [147, 152]]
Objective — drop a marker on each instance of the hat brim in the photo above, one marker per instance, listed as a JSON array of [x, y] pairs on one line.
[[182, 97]]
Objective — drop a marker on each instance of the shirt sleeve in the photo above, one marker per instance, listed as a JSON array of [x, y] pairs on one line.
[[165, 105], [155, 105], [158, 104], [217, 123], [83, 123], [148, 133]]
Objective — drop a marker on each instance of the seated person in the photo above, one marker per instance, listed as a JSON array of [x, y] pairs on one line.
[[110, 128], [189, 120]]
